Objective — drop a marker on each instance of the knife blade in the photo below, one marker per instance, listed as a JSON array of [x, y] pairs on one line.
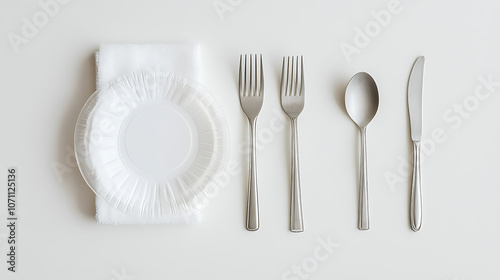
[[415, 90], [415, 87]]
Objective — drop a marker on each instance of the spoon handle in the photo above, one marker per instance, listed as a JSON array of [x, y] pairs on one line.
[[416, 191], [363, 217]]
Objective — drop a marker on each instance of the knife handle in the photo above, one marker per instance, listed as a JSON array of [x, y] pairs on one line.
[[416, 191]]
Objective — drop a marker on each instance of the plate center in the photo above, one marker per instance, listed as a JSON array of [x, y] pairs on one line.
[[158, 139]]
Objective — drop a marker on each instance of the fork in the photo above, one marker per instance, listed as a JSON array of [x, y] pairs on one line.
[[292, 102], [251, 89]]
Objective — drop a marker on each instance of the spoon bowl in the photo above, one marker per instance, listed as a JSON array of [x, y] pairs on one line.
[[361, 99]]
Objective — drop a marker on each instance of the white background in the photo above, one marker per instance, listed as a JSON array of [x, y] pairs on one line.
[[45, 84]]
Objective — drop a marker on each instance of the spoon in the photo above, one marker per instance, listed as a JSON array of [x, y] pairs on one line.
[[361, 102]]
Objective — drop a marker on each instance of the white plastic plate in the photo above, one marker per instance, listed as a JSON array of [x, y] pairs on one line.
[[150, 143]]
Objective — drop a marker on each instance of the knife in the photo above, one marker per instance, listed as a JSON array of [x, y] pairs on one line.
[[415, 86]]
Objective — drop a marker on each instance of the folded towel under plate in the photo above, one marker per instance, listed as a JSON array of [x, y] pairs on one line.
[[113, 61]]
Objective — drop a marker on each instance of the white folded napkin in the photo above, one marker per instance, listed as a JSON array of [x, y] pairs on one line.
[[113, 61]]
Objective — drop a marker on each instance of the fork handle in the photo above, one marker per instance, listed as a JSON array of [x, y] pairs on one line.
[[253, 197], [296, 218]]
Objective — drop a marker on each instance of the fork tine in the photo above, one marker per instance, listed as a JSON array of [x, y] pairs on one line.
[[261, 92], [248, 74], [302, 87], [294, 74], [241, 82], [283, 78], [289, 76], [256, 92], [251, 77], [245, 93]]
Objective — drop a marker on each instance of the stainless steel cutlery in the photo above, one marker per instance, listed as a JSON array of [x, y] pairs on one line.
[[415, 86], [292, 102], [251, 90], [361, 102]]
